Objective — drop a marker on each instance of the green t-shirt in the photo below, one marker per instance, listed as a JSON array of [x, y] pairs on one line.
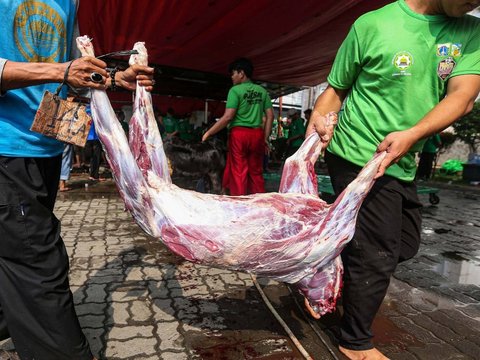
[[432, 144], [397, 64], [250, 101], [171, 124], [297, 127], [185, 130]]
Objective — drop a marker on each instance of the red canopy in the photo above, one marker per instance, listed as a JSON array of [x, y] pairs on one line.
[[291, 43]]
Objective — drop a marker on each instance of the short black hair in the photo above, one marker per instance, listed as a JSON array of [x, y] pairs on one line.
[[241, 64]]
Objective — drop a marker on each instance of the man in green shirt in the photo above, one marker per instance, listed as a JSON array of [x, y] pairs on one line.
[[170, 123], [427, 157], [246, 104], [296, 132], [392, 72], [185, 129]]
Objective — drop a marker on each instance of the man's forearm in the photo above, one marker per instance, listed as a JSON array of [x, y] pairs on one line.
[[21, 74], [458, 102], [218, 126], [330, 100]]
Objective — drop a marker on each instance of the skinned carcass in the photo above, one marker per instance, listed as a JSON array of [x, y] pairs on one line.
[[292, 236]]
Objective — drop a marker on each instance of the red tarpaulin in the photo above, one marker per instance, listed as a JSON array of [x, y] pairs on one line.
[[291, 43]]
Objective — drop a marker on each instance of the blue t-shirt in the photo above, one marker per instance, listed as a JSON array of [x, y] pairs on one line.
[[32, 31], [92, 134]]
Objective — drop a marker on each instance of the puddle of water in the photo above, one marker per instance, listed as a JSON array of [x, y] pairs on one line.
[[459, 268]]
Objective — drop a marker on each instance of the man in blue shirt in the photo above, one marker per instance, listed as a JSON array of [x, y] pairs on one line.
[[36, 306]]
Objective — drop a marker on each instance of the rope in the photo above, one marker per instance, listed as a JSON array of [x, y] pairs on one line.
[[299, 346]]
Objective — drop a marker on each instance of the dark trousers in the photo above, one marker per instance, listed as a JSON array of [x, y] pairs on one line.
[[36, 305], [291, 150], [387, 232], [96, 148], [425, 165]]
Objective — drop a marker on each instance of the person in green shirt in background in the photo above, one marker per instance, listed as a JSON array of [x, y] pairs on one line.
[[427, 157], [296, 132], [185, 129], [404, 72], [170, 123], [247, 103]]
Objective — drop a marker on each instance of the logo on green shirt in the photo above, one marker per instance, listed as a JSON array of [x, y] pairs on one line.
[[402, 61], [443, 49], [449, 49], [445, 67], [456, 50], [253, 97]]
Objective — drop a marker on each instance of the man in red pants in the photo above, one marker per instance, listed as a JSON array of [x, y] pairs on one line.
[[247, 103]]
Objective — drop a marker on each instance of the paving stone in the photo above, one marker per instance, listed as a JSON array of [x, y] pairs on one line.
[[92, 321], [96, 293], [232, 279], [419, 333], [118, 313], [130, 332], [90, 308], [138, 347], [135, 274], [95, 339], [158, 289], [140, 310], [173, 356], [78, 277], [123, 294], [438, 351], [171, 339], [153, 273], [163, 310]]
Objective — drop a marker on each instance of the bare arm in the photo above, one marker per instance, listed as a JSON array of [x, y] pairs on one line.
[[330, 100], [22, 74], [461, 93], [220, 124]]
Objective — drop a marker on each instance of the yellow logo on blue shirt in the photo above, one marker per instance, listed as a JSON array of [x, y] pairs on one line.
[[39, 32]]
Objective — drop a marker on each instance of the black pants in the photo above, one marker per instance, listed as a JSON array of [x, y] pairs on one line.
[[291, 150], [96, 157], [387, 232], [36, 305], [425, 165]]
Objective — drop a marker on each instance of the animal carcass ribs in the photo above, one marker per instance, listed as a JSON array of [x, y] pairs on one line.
[[292, 236]]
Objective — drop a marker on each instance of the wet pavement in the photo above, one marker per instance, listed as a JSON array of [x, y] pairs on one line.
[[136, 300]]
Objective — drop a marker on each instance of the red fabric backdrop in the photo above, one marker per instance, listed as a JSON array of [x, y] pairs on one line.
[[290, 42]]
